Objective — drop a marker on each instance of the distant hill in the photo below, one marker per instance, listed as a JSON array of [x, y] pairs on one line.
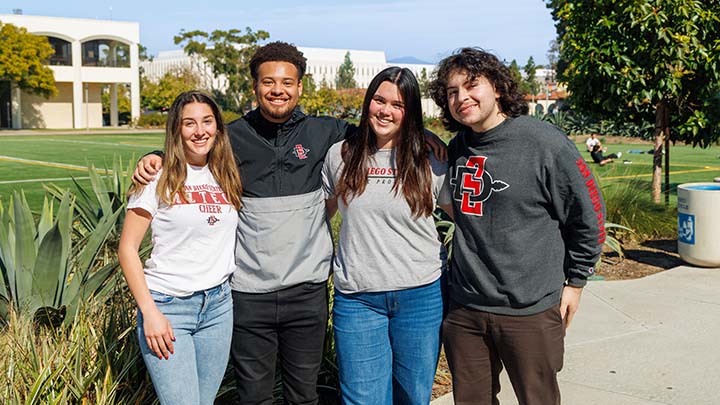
[[409, 59]]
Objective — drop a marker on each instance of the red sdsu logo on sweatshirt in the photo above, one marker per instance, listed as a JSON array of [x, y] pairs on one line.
[[473, 185]]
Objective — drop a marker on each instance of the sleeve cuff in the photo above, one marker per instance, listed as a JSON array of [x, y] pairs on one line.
[[576, 281]]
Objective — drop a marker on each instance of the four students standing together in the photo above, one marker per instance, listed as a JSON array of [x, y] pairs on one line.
[[529, 229]]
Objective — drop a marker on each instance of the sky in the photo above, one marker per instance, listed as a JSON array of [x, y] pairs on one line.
[[424, 29]]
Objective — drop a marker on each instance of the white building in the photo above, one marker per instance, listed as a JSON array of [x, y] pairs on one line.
[[89, 55]]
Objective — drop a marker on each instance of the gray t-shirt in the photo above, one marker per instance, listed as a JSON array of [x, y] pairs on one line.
[[382, 247]]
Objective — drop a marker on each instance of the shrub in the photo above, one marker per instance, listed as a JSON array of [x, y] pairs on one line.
[[152, 120], [435, 125], [230, 116], [629, 204], [48, 268], [95, 359]]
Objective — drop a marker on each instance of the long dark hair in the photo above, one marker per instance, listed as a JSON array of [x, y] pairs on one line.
[[220, 159], [412, 162], [477, 62]]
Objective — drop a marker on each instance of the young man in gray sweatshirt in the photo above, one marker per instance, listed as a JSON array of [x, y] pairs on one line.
[[529, 229]]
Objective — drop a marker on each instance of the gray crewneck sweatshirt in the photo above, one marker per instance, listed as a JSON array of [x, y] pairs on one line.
[[529, 217]]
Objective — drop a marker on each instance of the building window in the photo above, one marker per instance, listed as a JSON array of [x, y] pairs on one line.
[[105, 53], [63, 52]]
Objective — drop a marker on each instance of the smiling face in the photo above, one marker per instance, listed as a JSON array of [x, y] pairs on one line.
[[198, 128], [473, 102], [386, 112], [277, 90]]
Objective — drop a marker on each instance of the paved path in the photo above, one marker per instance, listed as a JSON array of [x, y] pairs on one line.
[[648, 341]]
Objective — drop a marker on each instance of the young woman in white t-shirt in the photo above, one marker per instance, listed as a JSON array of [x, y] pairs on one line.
[[184, 319]]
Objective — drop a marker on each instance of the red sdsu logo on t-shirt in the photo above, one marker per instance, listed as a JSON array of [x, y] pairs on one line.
[[473, 185]]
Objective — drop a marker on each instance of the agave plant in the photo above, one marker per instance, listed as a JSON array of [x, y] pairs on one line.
[[109, 187], [446, 228], [46, 271], [611, 240]]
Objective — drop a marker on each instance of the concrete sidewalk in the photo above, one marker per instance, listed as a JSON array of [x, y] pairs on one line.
[[648, 341]]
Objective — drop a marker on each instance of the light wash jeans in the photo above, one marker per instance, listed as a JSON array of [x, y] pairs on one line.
[[202, 324], [387, 344]]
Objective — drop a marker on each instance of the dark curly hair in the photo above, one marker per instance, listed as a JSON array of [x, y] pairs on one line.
[[477, 62], [278, 52]]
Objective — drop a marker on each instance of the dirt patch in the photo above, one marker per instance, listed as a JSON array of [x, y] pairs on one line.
[[443, 379], [641, 259]]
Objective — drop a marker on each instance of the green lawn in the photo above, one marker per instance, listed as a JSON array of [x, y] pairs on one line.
[[27, 162], [687, 164]]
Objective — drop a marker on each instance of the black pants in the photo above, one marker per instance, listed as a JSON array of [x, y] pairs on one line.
[[478, 344], [290, 323]]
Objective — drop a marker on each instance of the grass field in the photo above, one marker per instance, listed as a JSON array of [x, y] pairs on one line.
[[687, 164], [27, 162]]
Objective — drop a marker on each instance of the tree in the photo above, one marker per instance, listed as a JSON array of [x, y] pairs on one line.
[[424, 83], [143, 53], [553, 54], [23, 58], [318, 101], [227, 53], [530, 84], [652, 61], [346, 74], [518, 77], [350, 103], [160, 95]]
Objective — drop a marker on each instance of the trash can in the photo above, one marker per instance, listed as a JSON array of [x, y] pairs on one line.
[[699, 223]]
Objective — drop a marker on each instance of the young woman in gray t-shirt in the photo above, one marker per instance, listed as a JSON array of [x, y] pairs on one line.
[[388, 304]]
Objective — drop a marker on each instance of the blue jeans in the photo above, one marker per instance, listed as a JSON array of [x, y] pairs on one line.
[[202, 324], [387, 344]]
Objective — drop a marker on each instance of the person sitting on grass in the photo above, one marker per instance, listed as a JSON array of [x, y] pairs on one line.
[[597, 155], [591, 142]]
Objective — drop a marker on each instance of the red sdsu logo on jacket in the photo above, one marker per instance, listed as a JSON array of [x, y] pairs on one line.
[[473, 185], [300, 152]]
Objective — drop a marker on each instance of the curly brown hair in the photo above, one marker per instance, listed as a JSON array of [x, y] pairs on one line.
[[477, 62], [278, 52]]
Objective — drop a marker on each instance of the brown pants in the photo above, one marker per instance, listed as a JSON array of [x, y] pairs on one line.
[[478, 344]]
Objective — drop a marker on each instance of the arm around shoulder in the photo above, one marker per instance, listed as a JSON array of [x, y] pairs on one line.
[[147, 167]]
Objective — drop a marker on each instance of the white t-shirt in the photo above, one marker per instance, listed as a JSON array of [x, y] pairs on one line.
[[193, 240], [591, 142]]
